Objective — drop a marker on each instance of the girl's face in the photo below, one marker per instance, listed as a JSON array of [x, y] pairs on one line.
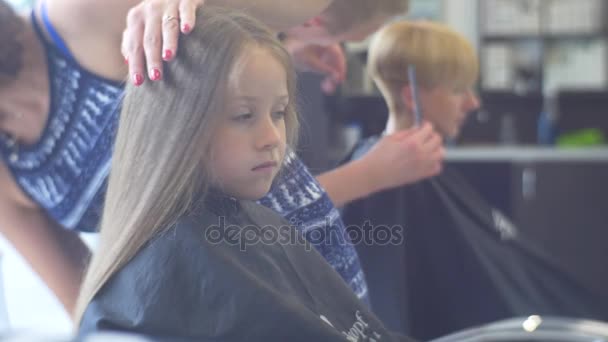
[[249, 143], [447, 108]]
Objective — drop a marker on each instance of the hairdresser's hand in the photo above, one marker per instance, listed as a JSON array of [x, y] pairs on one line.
[[405, 157], [327, 60], [152, 33]]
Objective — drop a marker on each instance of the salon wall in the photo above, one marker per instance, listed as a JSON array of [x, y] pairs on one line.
[[462, 16]]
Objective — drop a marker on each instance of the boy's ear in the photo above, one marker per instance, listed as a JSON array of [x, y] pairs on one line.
[[406, 97]]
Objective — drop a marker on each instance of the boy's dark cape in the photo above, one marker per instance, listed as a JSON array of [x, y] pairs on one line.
[[461, 262], [199, 283]]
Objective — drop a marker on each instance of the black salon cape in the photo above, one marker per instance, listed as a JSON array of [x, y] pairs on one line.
[[183, 286], [460, 263]]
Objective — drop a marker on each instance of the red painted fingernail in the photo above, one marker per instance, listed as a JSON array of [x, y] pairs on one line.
[[138, 79], [155, 75], [126, 61], [167, 55], [186, 28]]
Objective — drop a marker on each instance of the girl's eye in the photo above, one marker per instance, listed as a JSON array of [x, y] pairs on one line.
[[243, 117]]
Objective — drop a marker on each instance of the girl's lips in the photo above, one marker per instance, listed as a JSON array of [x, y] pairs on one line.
[[266, 165]]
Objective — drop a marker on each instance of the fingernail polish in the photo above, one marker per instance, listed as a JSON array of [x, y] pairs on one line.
[[167, 55], [186, 28], [126, 61], [155, 76], [138, 79]]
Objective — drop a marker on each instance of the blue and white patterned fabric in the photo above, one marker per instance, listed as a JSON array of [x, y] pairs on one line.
[[299, 198], [66, 170]]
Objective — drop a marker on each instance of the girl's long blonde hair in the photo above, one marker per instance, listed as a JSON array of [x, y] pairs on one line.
[[164, 135]]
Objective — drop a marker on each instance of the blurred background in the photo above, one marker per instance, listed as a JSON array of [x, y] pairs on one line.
[[543, 82]]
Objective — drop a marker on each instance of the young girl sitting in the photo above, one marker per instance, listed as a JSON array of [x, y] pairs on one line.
[[185, 252]]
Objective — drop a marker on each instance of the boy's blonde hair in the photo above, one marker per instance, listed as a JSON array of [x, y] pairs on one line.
[[345, 14], [439, 54], [166, 130]]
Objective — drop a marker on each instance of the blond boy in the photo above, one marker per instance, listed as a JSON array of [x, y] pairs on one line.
[[446, 69]]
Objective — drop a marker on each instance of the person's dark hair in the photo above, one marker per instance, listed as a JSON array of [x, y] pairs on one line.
[[11, 51]]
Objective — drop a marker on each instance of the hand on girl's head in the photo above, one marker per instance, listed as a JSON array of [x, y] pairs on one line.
[[152, 34]]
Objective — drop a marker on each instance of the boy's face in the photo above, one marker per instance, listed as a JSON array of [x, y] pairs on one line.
[[250, 137], [447, 108]]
